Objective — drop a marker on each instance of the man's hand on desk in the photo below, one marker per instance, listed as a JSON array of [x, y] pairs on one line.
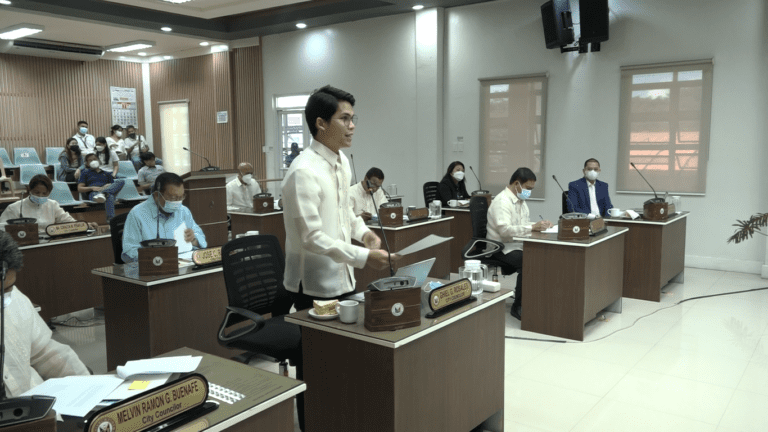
[[93, 225], [379, 259], [189, 237], [371, 240], [542, 225], [366, 216]]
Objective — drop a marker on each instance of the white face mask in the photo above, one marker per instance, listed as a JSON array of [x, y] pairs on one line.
[[94, 164], [591, 175], [100, 148], [247, 178], [459, 175], [118, 134]]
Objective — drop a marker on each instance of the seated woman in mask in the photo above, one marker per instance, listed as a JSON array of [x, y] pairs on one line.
[[31, 355], [38, 206], [71, 161], [452, 186], [108, 159]]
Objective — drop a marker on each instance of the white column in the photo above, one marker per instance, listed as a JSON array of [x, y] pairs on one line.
[[430, 27], [146, 128]]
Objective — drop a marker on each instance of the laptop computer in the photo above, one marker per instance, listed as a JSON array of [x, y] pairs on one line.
[[419, 270]]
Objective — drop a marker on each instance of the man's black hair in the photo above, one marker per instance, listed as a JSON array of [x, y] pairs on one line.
[[165, 179], [82, 122], [375, 172], [323, 103], [146, 156], [591, 160], [523, 175]]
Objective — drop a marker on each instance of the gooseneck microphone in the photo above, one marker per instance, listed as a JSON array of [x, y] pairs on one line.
[[209, 167], [354, 171], [21, 219], [652, 200], [481, 190], [3, 396], [574, 214], [378, 218]]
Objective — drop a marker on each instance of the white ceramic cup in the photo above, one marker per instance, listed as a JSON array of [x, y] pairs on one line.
[[347, 311], [614, 212], [453, 203], [250, 233]]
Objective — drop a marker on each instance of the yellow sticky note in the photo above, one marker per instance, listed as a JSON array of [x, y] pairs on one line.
[[139, 385]]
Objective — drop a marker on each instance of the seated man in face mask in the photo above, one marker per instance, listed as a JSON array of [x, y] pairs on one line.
[[588, 194], [241, 190], [165, 204], [100, 185], [31, 355]]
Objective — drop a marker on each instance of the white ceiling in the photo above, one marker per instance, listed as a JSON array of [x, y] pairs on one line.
[[208, 9], [61, 29]]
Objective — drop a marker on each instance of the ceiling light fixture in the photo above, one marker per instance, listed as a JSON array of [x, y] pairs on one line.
[[204, 43], [20, 31], [131, 46], [166, 29], [418, 7], [5, 2], [219, 48], [167, 57], [176, 1], [142, 54], [301, 25]]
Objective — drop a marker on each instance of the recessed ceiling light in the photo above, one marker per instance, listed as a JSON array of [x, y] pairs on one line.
[[5, 2], [20, 31], [301, 25], [219, 48], [122, 57], [204, 43], [131, 46], [166, 29], [176, 1], [156, 59], [418, 7], [142, 54], [167, 57]]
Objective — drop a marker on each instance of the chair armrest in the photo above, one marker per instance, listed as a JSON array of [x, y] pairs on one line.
[[493, 245], [258, 323]]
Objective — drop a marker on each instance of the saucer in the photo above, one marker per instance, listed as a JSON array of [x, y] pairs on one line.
[[314, 315]]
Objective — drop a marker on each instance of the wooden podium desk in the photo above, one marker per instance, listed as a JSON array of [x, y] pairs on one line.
[[207, 201], [146, 316], [446, 375], [244, 219], [403, 236], [461, 231], [57, 276], [267, 405], [566, 283], [654, 255]]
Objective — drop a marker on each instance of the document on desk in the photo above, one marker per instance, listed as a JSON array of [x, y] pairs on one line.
[[127, 388], [76, 395], [160, 365], [551, 230], [185, 248], [426, 242]]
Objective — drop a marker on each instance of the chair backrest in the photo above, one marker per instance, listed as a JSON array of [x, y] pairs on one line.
[[62, 194], [430, 192], [127, 170], [29, 171], [129, 192], [52, 154], [116, 227], [565, 202], [478, 211], [253, 273], [56, 170], [6, 159], [25, 155]]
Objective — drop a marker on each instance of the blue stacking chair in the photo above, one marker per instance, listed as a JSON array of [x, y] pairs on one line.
[[127, 170], [28, 171], [56, 171], [130, 193], [63, 195], [25, 156], [6, 159], [52, 154]]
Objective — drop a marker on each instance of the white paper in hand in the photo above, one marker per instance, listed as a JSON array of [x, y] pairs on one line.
[[185, 248]]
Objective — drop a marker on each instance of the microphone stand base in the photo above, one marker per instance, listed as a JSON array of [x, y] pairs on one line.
[[28, 413], [211, 168]]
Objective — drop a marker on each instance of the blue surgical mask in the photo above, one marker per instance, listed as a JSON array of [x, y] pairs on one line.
[[525, 194], [83, 130], [38, 199], [171, 206]]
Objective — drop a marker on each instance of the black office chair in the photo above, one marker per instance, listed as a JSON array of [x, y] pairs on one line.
[[430, 192], [253, 274], [565, 202], [480, 248], [116, 227]]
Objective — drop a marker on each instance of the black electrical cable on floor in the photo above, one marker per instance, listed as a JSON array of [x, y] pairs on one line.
[[639, 318]]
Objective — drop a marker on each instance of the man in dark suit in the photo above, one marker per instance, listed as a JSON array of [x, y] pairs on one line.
[[588, 194]]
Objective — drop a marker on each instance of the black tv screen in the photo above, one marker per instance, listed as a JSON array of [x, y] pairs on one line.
[[558, 27]]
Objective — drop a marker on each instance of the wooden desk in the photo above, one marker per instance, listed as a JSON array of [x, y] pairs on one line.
[[267, 406], [207, 201], [57, 276], [146, 316], [654, 255], [404, 236], [244, 220], [461, 231], [567, 283], [446, 375]]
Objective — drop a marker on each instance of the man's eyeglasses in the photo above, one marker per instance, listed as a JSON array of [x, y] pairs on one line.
[[347, 119]]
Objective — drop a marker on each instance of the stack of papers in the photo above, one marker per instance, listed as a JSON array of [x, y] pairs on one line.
[[77, 395], [551, 230], [162, 365]]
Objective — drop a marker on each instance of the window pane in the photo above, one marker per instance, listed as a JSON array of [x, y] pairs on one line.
[[694, 75], [650, 133], [690, 98], [499, 107], [650, 100], [500, 88], [688, 132], [299, 101], [652, 78]]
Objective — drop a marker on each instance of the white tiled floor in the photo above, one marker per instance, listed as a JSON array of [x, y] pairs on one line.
[[698, 366]]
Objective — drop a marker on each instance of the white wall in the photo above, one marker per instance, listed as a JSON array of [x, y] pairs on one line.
[[505, 38], [376, 61]]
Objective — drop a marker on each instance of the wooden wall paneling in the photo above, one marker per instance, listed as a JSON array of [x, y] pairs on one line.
[[41, 99], [249, 110]]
